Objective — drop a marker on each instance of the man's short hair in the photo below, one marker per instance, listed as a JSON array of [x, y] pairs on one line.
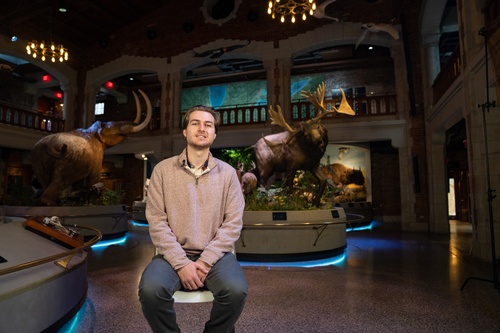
[[208, 109]]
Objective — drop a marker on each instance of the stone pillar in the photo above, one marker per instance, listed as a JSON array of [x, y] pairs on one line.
[[401, 83], [70, 92], [430, 43], [278, 84], [89, 105], [175, 95], [438, 210], [166, 106]]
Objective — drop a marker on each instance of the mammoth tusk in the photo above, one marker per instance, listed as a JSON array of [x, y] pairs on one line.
[[149, 112], [137, 119]]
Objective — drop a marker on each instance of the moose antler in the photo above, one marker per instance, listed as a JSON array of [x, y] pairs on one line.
[[277, 118], [344, 107], [318, 100]]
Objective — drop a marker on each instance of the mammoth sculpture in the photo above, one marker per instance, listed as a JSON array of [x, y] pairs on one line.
[[297, 148], [71, 161]]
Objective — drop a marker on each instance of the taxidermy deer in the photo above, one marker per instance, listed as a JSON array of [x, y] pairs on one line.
[[297, 148]]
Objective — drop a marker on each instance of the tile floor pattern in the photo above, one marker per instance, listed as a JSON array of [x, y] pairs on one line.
[[389, 282]]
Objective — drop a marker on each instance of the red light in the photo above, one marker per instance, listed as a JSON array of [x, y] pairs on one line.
[[58, 95], [46, 78], [109, 85]]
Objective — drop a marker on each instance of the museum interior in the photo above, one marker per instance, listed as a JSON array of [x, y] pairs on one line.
[[391, 225]]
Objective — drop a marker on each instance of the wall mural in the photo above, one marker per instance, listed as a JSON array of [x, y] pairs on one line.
[[226, 95], [348, 167]]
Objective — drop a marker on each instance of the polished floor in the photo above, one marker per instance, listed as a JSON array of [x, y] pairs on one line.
[[389, 281]]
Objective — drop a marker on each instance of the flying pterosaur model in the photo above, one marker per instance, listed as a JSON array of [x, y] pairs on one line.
[[215, 54], [319, 12], [376, 28]]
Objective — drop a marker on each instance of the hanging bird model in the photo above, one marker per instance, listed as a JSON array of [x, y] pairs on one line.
[[215, 54], [319, 12], [376, 28]]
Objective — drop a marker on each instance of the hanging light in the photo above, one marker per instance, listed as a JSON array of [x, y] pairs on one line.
[[47, 51], [53, 52], [290, 9]]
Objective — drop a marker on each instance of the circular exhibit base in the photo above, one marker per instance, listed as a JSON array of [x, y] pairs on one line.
[[292, 235], [111, 221], [40, 298]]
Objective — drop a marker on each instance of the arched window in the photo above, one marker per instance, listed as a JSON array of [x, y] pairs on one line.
[[247, 115], [240, 116]]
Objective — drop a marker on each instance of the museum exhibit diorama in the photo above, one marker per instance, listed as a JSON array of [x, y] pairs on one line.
[[332, 116]]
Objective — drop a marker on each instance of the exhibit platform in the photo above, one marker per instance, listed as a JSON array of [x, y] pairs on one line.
[[139, 212], [111, 221], [292, 235], [42, 283]]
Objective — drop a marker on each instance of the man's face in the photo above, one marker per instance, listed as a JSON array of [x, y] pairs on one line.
[[200, 131]]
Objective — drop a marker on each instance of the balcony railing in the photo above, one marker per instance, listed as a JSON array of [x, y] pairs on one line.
[[449, 73], [373, 105], [232, 116], [29, 119], [244, 115]]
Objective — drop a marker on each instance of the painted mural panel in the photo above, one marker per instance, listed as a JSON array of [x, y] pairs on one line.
[[348, 167], [226, 95]]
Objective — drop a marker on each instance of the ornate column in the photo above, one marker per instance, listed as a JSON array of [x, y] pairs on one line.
[[278, 84]]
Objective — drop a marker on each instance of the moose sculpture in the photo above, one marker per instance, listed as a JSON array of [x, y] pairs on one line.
[[72, 161], [297, 148]]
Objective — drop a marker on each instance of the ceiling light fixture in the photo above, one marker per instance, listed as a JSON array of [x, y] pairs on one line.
[[12, 37], [291, 9], [62, 7], [47, 51]]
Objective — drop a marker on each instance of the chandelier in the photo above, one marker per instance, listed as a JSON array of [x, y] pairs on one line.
[[46, 51], [291, 8]]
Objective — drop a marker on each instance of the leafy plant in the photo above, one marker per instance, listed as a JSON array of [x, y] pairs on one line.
[[236, 156], [279, 197], [96, 195], [23, 195], [110, 197]]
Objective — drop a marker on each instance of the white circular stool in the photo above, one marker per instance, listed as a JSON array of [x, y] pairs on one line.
[[195, 296]]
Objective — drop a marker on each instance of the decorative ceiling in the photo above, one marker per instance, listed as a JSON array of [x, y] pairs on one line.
[[89, 25]]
